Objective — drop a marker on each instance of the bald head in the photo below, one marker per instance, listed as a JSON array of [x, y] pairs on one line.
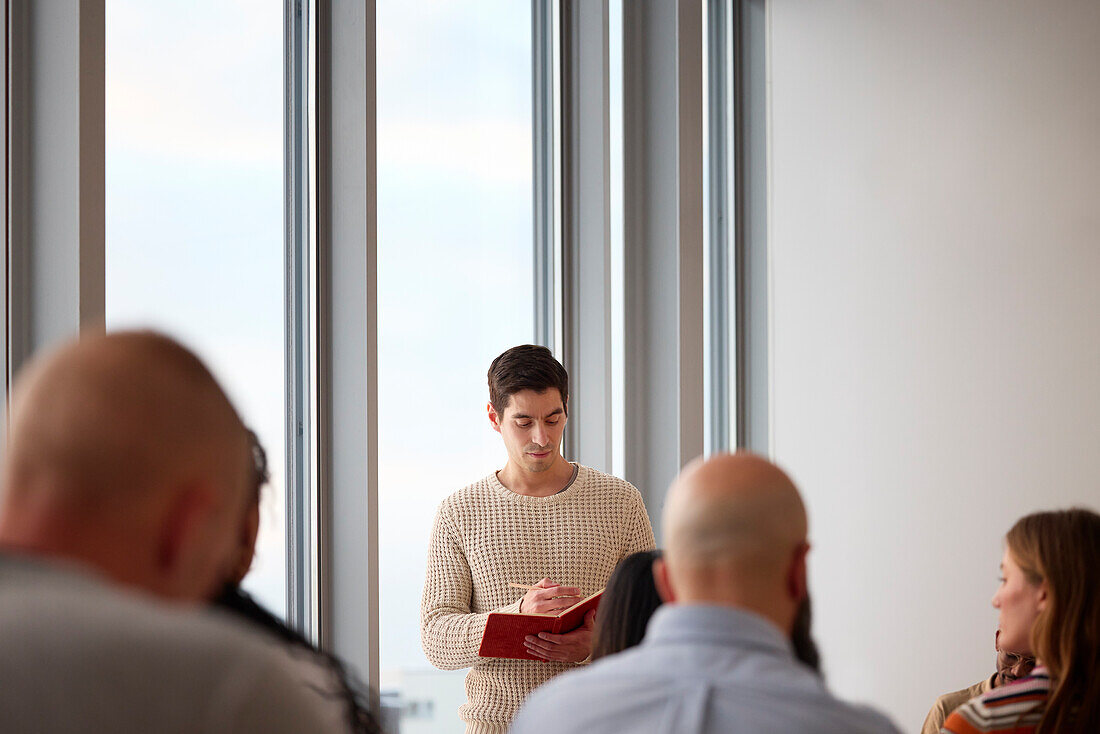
[[122, 452], [735, 529]]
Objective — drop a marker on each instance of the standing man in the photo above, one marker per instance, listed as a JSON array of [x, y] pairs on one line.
[[539, 521]]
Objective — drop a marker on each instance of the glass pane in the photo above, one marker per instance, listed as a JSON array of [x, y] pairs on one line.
[[195, 208], [455, 288]]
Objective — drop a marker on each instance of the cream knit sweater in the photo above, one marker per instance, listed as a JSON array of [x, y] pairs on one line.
[[485, 537]]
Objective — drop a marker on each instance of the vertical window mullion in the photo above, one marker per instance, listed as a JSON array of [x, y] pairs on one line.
[[546, 156], [719, 344], [302, 563]]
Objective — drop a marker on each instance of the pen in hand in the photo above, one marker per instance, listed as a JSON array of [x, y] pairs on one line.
[[546, 597]]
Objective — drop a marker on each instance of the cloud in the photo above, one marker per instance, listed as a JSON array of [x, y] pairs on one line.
[[182, 86]]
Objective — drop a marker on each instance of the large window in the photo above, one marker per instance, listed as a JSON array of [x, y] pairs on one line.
[[455, 288], [194, 241]]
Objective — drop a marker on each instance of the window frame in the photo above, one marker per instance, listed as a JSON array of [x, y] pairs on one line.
[[301, 303]]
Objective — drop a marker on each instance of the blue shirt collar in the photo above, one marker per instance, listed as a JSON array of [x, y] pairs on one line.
[[715, 625]]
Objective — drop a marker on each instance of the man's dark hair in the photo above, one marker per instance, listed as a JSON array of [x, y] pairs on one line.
[[260, 473], [526, 367]]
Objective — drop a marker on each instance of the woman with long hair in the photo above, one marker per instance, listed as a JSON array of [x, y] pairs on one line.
[[1049, 603], [629, 600]]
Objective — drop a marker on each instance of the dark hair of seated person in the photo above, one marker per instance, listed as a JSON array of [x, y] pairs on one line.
[[239, 602], [628, 601]]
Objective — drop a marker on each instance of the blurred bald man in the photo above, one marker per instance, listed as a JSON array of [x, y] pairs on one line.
[[717, 657], [126, 480]]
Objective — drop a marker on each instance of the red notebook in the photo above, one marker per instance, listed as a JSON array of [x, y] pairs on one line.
[[504, 632]]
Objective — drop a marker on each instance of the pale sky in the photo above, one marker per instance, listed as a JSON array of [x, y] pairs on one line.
[[455, 273], [194, 206]]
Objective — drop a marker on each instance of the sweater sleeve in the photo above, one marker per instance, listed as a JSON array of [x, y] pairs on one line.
[[640, 536], [449, 633]]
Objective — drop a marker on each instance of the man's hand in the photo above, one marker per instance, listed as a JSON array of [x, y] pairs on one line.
[[572, 647], [548, 597]]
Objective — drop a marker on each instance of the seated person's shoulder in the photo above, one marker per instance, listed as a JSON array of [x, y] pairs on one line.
[[965, 718], [938, 714], [629, 688], [948, 702], [594, 694], [796, 694], [189, 669], [1016, 699]]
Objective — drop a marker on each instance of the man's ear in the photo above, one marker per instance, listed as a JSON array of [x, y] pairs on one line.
[[494, 418], [662, 581], [247, 549], [796, 573], [186, 513]]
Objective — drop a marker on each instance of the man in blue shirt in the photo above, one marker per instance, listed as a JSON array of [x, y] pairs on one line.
[[718, 656]]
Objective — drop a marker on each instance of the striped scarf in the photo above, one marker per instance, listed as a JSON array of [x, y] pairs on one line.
[[1012, 709]]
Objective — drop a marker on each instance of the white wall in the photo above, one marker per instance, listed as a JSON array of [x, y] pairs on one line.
[[935, 301]]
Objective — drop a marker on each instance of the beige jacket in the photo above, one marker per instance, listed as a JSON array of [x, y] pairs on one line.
[[948, 702]]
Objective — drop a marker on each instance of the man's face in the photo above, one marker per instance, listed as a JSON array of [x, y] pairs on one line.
[[532, 426], [1011, 666]]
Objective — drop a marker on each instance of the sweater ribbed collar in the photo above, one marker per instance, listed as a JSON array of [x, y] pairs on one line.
[[563, 496]]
